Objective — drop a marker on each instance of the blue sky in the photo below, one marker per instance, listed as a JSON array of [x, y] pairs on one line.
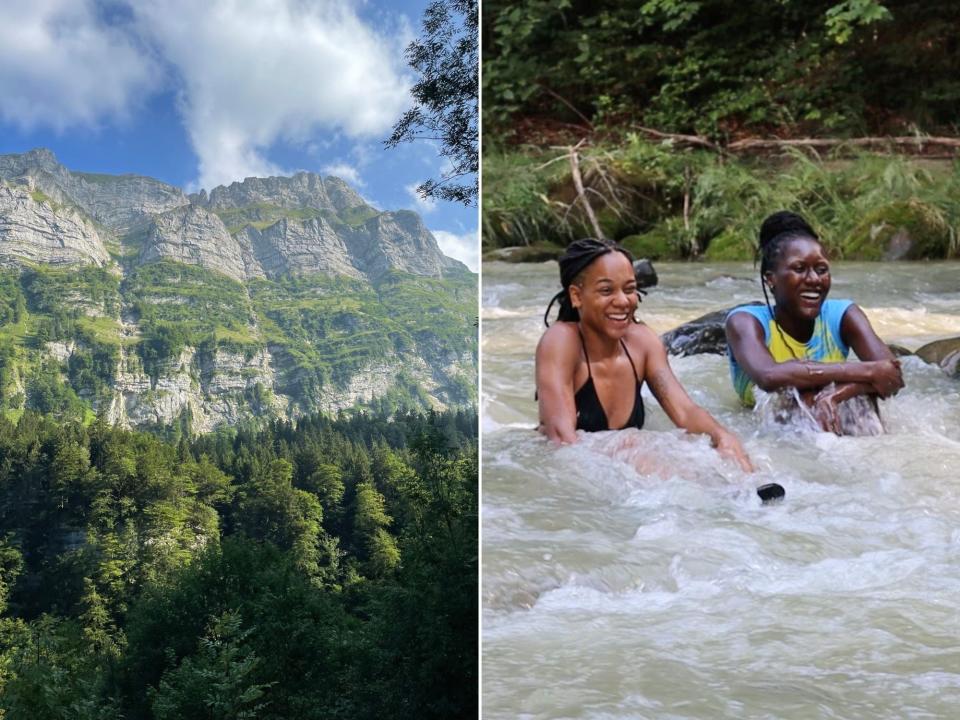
[[200, 94]]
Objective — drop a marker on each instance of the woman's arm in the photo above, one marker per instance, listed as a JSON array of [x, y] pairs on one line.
[[556, 360], [857, 332], [682, 411], [746, 341]]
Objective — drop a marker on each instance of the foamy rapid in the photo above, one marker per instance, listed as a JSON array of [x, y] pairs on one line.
[[636, 574]]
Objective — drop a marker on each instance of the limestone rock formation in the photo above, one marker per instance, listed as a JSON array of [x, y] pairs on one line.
[[121, 203], [194, 236], [300, 248], [33, 229], [302, 190], [398, 240]]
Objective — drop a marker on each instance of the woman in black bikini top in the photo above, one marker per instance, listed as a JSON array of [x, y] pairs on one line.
[[590, 414], [597, 349]]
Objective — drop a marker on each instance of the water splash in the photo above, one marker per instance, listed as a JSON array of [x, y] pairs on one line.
[[785, 410]]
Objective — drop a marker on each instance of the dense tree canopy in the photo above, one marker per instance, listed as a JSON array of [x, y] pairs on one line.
[[721, 68], [326, 569]]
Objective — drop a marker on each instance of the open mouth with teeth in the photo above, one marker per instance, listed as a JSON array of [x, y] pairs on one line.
[[812, 295]]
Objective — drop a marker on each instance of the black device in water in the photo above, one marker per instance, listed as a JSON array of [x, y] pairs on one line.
[[771, 492]]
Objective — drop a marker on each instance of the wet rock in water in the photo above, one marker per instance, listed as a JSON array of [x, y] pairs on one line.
[[899, 350], [706, 334], [945, 353], [539, 252], [703, 335], [644, 272], [771, 492]]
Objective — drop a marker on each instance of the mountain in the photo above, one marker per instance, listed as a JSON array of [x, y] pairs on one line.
[[272, 297]]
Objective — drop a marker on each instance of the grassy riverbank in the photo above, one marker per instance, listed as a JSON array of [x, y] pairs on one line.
[[667, 203]]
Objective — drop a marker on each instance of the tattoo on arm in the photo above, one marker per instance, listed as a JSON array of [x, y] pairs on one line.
[[658, 383]]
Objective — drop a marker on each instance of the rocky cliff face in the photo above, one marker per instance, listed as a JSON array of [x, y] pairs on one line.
[[35, 229], [303, 190], [121, 203], [191, 235], [268, 298], [399, 240], [299, 248]]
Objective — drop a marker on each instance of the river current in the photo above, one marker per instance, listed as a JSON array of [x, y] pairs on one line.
[[638, 575]]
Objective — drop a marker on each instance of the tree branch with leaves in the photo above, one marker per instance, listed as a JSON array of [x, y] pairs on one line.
[[445, 98]]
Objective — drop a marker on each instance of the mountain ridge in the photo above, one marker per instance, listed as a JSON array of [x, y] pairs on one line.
[[270, 297], [126, 206]]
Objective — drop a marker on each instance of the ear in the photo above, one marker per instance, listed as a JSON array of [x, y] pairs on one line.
[[576, 296], [768, 279]]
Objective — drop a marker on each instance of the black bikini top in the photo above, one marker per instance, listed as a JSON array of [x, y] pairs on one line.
[[590, 413]]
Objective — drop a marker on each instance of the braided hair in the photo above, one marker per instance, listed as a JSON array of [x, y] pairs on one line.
[[578, 256], [776, 230]]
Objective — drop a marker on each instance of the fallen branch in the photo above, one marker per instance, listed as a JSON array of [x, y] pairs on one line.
[[681, 139], [570, 105], [918, 141], [578, 184]]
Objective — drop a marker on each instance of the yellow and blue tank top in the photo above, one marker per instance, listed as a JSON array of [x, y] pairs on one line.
[[825, 345]]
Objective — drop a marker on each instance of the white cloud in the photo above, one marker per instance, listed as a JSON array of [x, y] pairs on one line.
[[261, 71], [424, 205], [61, 66], [248, 73], [465, 248], [344, 171]]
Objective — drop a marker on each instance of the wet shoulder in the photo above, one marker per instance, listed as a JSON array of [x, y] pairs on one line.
[[642, 339], [560, 339]]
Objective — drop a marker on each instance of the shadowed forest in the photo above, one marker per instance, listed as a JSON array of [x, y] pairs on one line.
[[326, 569]]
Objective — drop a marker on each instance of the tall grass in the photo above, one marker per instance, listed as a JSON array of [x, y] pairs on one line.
[[517, 207], [725, 198]]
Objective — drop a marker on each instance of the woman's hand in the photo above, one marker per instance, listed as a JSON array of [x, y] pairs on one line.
[[825, 409], [729, 445], [886, 376]]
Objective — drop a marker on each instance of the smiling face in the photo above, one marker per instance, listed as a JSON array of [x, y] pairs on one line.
[[800, 279], [606, 295]]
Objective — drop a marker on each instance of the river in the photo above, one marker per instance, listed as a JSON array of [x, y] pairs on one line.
[[671, 592]]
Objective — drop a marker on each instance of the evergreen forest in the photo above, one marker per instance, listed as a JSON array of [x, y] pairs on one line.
[[320, 569]]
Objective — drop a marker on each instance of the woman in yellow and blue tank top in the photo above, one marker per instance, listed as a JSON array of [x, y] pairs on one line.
[[803, 340]]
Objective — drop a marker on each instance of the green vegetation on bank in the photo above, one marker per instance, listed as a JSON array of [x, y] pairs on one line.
[[326, 569], [668, 203], [645, 82]]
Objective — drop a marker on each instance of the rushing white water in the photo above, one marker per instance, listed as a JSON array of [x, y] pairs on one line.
[[637, 575]]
